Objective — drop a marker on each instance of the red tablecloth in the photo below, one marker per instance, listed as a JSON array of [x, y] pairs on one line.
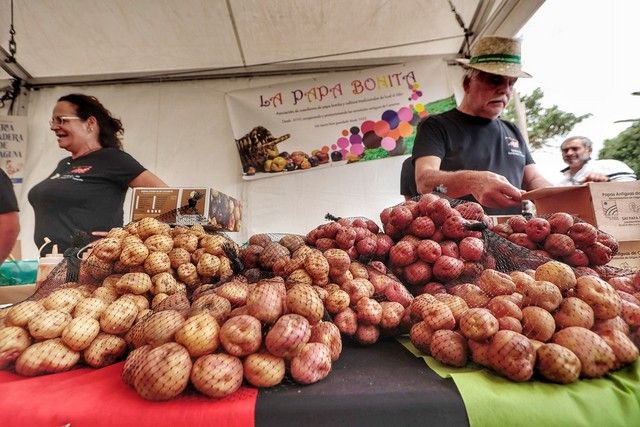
[[98, 397]]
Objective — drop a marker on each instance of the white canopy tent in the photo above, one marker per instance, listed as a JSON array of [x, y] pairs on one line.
[[163, 67]]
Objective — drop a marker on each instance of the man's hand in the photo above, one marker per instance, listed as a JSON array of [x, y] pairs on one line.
[[596, 177], [494, 191]]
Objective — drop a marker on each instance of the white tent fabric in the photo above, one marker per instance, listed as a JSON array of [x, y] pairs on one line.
[[180, 129]]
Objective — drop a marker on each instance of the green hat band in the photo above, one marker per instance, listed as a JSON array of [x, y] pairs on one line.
[[507, 59]]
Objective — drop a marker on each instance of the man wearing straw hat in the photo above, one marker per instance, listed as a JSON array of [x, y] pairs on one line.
[[9, 224], [469, 152]]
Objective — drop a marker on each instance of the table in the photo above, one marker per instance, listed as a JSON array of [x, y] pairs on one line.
[[380, 385]]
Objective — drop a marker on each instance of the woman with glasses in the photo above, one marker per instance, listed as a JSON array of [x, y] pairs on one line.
[[86, 190]]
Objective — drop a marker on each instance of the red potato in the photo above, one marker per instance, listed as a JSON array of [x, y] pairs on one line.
[[630, 313], [624, 349], [424, 202], [420, 336], [577, 259], [450, 248], [432, 288], [428, 251], [437, 315], [559, 245], [384, 215], [367, 334], [537, 229], [558, 273], [574, 312], [609, 241], [392, 313], [598, 253], [346, 321], [417, 273], [603, 299], [217, 375], [542, 294], [511, 354], [501, 307], [520, 279], [495, 283], [623, 284], [583, 234], [383, 245], [397, 292], [537, 323], [560, 222], [454, 227], [438, 210], [510, 323], [449, 347], [616, 324], [503, 230], [479, 352], [312, 364], [447, 268], [368, 311], [413, 207], [557, 363], [422, 227], [596, 357], [366, 247], [471, 211], [521, 239], [241, 335], [266, 301], [456, 304], [345, 238], [263, 369], [471, 249], [400, 217], [478, 324], [402, 253], [518, 223], [287, 336], [328, 334], [471, 294]]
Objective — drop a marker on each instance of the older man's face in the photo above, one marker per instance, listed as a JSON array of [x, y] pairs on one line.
[[488, 94], [574, 153]]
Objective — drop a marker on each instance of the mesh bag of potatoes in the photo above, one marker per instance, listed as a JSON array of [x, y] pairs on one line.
[[86, 321], [486, 298]]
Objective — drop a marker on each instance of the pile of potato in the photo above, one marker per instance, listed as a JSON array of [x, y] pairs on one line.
[[433, 247], [578, 244], [364, 301], [71, 325], [544, 320], [359, 237]]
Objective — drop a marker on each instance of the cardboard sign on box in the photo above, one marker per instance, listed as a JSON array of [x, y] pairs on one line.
[[628, 256], [187, 206], [613, 207]]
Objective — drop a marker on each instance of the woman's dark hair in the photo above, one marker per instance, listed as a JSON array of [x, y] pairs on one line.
[[110, 128]]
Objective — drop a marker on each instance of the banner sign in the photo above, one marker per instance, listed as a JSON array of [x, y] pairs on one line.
[[338, 119], [13, 147]]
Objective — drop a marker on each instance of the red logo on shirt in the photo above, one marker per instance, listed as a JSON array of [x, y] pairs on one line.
[[80, 169]]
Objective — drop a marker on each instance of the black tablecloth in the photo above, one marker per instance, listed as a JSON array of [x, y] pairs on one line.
[[381, 385]]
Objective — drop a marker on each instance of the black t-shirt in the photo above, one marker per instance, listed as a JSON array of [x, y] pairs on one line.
[[86, 193], [465, 142], [408, 179], [8, 202]]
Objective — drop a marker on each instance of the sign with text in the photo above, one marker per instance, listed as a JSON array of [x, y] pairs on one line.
[[338, 119], [13, 147]]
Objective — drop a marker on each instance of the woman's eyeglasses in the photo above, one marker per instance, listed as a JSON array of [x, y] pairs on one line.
[[61, 120]]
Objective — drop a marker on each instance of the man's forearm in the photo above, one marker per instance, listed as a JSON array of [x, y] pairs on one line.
[[457, 184]]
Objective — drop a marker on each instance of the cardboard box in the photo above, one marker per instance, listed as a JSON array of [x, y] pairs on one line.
[[628, 256], [15, 294], [613, 207], [187, 206]]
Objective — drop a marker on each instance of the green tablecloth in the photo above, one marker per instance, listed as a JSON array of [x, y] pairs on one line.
[[491, 400]]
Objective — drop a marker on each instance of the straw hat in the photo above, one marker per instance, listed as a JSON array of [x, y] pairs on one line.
[[496, 55]]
